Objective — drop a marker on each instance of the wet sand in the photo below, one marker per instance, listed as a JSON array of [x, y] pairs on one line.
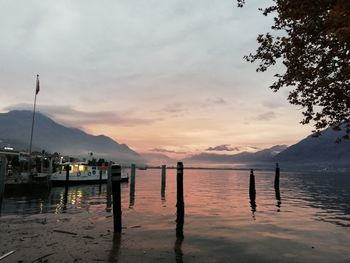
[[75, 238]]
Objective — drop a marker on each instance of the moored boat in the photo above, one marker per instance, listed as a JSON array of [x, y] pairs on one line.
[[83, 173]]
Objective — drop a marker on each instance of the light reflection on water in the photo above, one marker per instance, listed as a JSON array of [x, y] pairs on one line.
[[219, 209], [324, 197]]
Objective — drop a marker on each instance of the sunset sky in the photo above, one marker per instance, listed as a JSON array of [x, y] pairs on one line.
[[161, 76]]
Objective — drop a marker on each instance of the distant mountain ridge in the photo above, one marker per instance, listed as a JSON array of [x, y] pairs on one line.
[[266, 155], [321, 150], [51, 136]]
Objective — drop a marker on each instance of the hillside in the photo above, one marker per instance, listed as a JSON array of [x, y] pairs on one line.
[[54, 137], [266, 155], [321, 150]]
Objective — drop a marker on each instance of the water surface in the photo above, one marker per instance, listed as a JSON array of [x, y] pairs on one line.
[[307, 220]]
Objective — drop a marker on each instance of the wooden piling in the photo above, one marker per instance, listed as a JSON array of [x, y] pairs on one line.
[[179, 178], [277, 176], [133, 174], [252, 192], [180, 205], [100, 179], [132, 186], [116, 175], [67, 168], [3, 164], [163, 181], [109, 190]]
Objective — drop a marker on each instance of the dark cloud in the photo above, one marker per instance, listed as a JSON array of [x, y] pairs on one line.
[[160, 150], [266, 116], [223, 147], [72, 117]]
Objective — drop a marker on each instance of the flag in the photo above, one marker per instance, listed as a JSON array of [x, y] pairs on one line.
[[37, 85]]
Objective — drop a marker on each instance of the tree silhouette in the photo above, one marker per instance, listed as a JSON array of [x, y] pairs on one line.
[[311, 38]]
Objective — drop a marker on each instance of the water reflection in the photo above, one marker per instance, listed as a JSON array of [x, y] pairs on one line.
[[180, 219], [321, 197], [115, 251], [329, 193], [278, 198]]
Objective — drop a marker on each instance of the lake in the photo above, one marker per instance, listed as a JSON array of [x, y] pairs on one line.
[[308, 220]]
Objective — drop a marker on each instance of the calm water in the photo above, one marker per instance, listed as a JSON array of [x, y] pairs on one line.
[[307, 221]]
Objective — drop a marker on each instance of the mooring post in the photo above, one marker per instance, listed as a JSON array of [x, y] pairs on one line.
[[109, 190], [67, 167], [116, 173], [133, 174], [180, 205], [252, 193], [163, 177], [277, 176], [3, 164], [132, 185], [100, 179]]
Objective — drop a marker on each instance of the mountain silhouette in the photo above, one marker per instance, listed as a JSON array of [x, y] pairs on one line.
[[51, 136], [320, 150], [266, 155]]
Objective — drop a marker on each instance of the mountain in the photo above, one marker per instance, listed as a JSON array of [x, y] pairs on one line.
[[321, 150], [158, 159], [266, 155], [53, 137]]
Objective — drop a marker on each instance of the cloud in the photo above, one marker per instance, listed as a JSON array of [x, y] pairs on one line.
[[223, 147], [174, 108], [160, 150], [266, 116], [273, 104], [72, 117], [218, 101]]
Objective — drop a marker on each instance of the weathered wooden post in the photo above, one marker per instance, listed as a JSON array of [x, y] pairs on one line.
[[109, 190], [132, 186], [132, 175], [252, 192], [180, 213], [277, 176], [116, 174], [180, 205], [100, 179], [3, 164], [67, 168], [163, 183], [100, 182]]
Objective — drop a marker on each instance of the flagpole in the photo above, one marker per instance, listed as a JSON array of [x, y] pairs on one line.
[[31, 134]]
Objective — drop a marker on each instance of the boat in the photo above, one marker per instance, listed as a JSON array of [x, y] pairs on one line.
[[83, 173]]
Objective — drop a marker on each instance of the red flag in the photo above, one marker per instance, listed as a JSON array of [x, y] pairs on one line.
[[37, 85]]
